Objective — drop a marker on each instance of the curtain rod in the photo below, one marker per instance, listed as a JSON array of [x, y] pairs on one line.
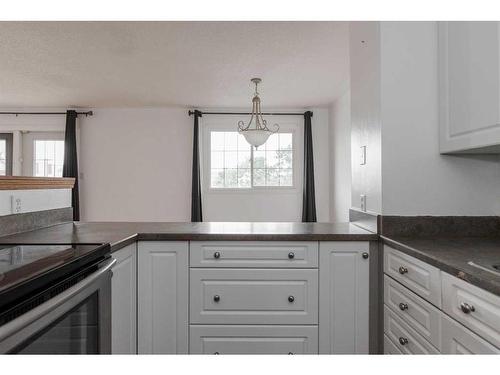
[[88, 113], [246, 113]]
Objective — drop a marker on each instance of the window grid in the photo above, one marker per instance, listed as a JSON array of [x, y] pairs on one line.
[[48, 158], [235, 164]]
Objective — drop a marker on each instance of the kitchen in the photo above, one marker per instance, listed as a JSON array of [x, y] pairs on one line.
[[250, 206]]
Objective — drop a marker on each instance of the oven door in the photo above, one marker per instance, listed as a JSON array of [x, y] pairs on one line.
[[76, 321]]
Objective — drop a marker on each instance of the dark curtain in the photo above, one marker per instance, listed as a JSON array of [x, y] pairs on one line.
[[308, 200], [196, 214], [70, 167]]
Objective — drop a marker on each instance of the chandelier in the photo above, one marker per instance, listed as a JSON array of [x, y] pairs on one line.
[[256, 131]]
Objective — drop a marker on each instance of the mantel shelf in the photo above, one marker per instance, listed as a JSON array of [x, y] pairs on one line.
[[27, 183]]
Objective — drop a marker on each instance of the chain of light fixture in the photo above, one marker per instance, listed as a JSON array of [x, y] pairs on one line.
[[260, 122]]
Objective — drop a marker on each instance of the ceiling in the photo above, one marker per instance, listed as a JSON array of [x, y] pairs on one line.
[[188, 64]]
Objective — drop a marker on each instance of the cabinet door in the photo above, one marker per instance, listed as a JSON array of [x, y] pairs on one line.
[[344, 297], [162, 297], [469, 86], [124, 301]]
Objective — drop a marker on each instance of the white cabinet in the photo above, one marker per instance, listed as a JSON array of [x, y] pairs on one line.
[[162, 297], [469, 87], [124, 301], [344, 297], [253, 339]]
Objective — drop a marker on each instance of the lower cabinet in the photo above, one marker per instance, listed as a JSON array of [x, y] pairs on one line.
[[253, 339], [162, 297], [343, 297], [124, 301]]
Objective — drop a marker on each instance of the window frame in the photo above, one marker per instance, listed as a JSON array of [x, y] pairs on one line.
[[229, 123], [9, 142], [31, 139]]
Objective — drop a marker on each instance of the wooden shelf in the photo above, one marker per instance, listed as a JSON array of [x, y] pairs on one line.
[[27, 183]]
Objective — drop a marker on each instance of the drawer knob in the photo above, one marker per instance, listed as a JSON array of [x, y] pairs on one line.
[[216, 353], [466, 308], [291, 255], [402, 270], [216, 298], [403, 306], [216, 255], [403, 340], [365, 255], [290, 353], [291, 299]]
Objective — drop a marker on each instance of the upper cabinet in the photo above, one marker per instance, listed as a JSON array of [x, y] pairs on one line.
[[469, 87]]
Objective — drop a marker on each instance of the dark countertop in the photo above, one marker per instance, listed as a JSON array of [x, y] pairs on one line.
[[120, 234], [453, 254]]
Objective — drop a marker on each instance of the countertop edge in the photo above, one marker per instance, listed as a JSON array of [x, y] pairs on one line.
[[454, 271]]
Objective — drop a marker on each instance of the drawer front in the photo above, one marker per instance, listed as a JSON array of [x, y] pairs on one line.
[[406, 339], [459, 340], [420, 277], [414, 310], [390, 347], [253, 296], [475, 308], [253, 339], [258, 254]]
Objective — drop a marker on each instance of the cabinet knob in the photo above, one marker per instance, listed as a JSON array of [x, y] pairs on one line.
[[216, 298], [403, 306], [291, 298], [290, 353], [402, 270], [403, 340], [466, 308], [291, 255], [216, 255], [365, 255], [216, 352]]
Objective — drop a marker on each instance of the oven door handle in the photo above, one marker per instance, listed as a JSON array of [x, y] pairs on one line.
[[24, 320]]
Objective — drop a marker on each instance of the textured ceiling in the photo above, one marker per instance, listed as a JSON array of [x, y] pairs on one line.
[[205, 64]]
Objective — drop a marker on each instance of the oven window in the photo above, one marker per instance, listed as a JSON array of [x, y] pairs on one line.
[[76, 332]]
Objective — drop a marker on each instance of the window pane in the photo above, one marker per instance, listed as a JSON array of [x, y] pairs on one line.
[[217, 141], [285, 141], [242, 143], [3, 157], [231, 178], [259, 159], [217, 160], [49, 158], [244, 178], [3, 169], [231, 141], [259, 177], [243, 159], [40, 150], [217, 178], [272, 142], [285, 159], [272, 177], [286, 177], [272, 160], [230, 159]]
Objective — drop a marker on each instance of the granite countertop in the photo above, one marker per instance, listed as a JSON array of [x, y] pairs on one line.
[[453, 254], [120, 234]]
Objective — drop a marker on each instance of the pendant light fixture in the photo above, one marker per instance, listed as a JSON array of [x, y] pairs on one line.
[[256, 131]]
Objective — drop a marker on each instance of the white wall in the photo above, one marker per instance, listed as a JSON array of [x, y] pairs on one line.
[[417, 180], [340, 158], [136, 166]]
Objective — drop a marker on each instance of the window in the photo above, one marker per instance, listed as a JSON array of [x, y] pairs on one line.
[[5, 154], [235, 164], [48, 158]]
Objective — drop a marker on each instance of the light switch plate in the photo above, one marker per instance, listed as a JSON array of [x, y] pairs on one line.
[[363, 202]]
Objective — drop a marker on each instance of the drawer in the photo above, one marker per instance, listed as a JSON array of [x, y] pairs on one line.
[[253, 296], [390, 347], [458, 295], [456, 339], [414, 310], [258, 254], [226, 339], [406, 339], [420, 277]]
